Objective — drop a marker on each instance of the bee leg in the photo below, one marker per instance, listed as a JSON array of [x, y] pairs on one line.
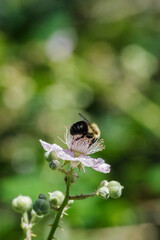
[[92, 141]]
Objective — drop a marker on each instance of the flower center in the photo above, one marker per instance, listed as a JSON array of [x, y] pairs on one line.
[[77, 154]]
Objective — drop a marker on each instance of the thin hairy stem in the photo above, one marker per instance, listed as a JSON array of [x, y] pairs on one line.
[[59, 213], [82, 196]]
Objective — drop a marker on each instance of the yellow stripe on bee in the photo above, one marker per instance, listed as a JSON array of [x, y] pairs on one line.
[[94, 129]]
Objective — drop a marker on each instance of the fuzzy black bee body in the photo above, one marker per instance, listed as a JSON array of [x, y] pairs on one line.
[[85, 129], [79, 128]]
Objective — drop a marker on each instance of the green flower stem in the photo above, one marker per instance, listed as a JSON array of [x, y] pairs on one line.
[[64, 171], [82, 196], [27, 225], [25, 217], [59, 213]]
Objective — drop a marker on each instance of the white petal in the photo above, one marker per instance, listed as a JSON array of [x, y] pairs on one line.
[[98, 161], [86, 160], [69, 156], [50, 147], [66, 155], [104, 167]]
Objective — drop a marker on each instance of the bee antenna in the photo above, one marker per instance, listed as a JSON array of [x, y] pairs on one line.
[[80, 114]]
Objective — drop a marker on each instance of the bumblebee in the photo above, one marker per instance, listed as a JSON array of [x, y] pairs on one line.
[[85, 129]]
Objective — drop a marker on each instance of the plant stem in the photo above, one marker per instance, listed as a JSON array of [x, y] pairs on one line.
[[59, 213], [82, 196], [28, 233], [25, 217], [27, 227]]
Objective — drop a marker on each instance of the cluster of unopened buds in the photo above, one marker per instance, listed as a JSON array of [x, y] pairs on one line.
[[66, 161]]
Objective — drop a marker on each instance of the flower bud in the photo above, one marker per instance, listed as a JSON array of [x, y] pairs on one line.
[[103, 192], [22, 204], [48, 156], [41, 207], [56, 198], [42, 196], [54, 164], [115, 189], [104, 183], [70, 202]]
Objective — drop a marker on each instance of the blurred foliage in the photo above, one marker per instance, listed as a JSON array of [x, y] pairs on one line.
[[100, 58]]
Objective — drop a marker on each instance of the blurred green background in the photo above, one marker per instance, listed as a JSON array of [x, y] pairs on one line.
[[100, 58]]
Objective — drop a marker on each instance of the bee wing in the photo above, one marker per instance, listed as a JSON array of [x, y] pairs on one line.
[[85, 119]]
